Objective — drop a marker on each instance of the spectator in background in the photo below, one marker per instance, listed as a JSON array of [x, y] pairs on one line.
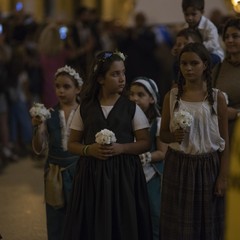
[[84, 38], [184, 36], [193, 13], [19, 118], [33, 61], [217, 18], [226, 74], [52, 56], [164, 39], [140, 46], [54, 52], [6, 154]]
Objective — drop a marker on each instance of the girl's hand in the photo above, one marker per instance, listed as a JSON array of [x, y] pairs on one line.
[[179, 135], [100, 151], [117, 149], [36, 121], [103, 152], [220, 186]]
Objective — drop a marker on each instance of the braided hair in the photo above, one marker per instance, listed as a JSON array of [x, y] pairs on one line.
[[202, 52]]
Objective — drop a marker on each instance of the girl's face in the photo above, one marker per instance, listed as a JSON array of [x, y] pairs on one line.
[[141, 97], [114, 80], [232, 40], [192, 16], [191, 66], [66, 90]]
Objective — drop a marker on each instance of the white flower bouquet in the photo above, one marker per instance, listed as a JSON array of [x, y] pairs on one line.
[[105, 137], [39, 110], [182, 119]]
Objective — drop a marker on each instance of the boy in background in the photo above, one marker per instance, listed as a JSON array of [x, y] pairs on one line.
[[183, 37], [193, 13]]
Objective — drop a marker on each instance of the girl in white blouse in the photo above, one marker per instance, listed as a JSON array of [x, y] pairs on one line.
[[195, 171]]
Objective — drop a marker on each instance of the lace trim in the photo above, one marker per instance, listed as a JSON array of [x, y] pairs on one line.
[[65, 127]]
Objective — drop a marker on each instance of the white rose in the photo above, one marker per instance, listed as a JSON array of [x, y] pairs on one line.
[[105, 136], [182, 119], [39, 110]]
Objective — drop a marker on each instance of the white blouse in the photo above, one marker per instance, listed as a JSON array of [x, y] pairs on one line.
[[140, 120], [203, 135]]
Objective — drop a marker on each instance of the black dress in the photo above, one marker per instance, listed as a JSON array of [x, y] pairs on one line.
[[109, 200]]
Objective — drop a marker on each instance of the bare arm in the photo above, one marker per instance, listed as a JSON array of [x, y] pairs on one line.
[[224, 155], [232, 113], [103, 152], [74, 142], [40, 135], [160, 152], [165, 135], [141, 145]]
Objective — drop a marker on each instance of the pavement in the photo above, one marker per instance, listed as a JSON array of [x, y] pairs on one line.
[[22, 208]]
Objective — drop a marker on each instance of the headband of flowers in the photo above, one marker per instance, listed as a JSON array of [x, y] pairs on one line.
[[71, 72], [108, 55]]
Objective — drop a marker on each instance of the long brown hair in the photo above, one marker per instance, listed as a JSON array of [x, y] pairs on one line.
[[100, 66]]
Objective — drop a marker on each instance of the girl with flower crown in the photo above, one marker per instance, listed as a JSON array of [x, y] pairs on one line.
[[51, 131], [144, 92], [109, 199], [196, 163]]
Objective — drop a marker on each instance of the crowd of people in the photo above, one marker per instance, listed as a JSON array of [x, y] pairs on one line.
[[31, 52], [159, 171]]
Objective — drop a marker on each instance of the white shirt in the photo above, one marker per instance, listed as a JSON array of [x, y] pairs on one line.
[[210, 37], [203, 135], [140, 121]]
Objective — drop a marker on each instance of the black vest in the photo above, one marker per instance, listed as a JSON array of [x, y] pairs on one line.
[[118, 121]]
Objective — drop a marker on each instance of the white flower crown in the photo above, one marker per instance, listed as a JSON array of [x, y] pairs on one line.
[[121, 55], [71, 72]]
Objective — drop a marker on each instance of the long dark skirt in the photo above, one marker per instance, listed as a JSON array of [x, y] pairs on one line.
[[189, 209], [109, 201]]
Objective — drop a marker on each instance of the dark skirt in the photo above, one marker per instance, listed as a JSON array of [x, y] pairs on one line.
[[109, 201], [189, 208]]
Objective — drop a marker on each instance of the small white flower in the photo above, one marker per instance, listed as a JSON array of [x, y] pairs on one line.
[[71, 72], [39, 110], [121, 55], [105, 137], [182, 119]]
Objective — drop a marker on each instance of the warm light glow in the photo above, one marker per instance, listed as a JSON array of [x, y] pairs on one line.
[[237, 8], [236, 5], [235, 2]]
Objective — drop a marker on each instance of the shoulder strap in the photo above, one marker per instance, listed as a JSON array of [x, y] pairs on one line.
[[173, 99]]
